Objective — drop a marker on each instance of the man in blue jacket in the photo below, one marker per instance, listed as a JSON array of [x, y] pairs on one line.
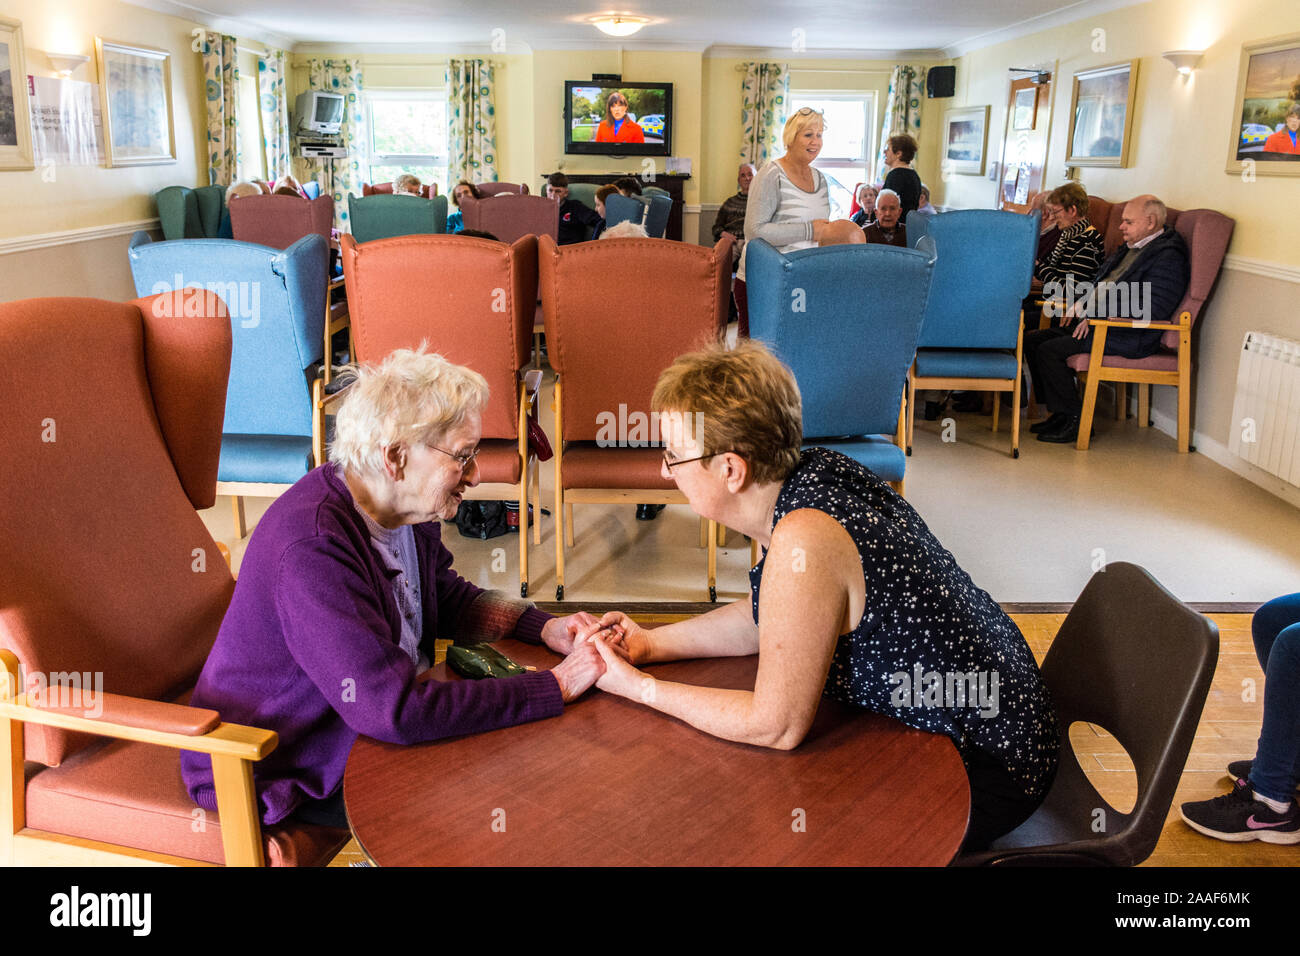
[[1144, 280]]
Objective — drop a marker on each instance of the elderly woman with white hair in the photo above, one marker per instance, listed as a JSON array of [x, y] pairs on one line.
[[344, 587]]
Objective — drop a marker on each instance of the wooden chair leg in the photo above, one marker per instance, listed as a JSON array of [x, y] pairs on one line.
[[897, 486], [568, 524], [722, 535], [713, 563], [1121, 401], [523, 534], [241, 830], [997, 406], [537, 503], [911, 410], [1089, 408], [241, 525], [704, 532], [1144, 404]]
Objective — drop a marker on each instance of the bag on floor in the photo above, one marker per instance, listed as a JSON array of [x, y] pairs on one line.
[[481, 519]]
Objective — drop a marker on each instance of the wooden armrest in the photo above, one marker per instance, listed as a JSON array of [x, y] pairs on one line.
[[1131, 324], [336, 283], [532, 384], [225, 551], [125, 711]]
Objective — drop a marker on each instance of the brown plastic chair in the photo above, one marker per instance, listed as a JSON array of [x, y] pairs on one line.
[[128, 598], [1135, 660], [617, 313], [473, 300], [510, 216]]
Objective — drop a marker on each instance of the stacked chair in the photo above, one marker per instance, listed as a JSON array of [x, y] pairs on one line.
[[384, 217], [608, 351], [480, 317], [274, 428], [135, 592]]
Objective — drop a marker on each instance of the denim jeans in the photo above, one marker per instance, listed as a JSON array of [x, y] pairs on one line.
[[1276, 631]]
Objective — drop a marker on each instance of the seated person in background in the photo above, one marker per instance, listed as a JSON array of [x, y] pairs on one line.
[[242, 188], [866, 197], [575, 218], [287, 185], [344, 587], [841, 232], [1079, 250], [1287, 139], [407, 185], [731, 215], [887, 229], [1049, 233], [626, 230], [1262, 804], [924, 207], [860, 596], [1144, 280], [628, 185], [456, 220], [477, 234], [603, 193]]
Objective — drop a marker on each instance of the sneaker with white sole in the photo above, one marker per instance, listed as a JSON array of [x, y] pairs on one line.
[[1238, 817]]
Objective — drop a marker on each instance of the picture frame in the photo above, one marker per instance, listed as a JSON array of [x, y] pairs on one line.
[[1265, 127], [135, 88], [15, 105], [1025, 114], [1101, 115], [965, 140]]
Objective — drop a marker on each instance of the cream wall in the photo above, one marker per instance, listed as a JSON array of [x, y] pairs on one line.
[[88, 196]]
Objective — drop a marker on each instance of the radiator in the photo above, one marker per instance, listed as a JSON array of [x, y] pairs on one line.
[[1266, 409]]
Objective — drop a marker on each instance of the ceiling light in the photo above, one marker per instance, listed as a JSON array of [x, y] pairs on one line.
[[1184, 60], [65, 63], [618, 25]]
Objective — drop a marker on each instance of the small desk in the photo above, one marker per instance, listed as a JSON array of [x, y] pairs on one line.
[[614, 783]]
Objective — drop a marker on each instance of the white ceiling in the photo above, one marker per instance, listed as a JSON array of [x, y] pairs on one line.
[[846, 27]]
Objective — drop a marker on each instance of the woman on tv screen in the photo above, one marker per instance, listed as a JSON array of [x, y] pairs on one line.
[[616, 127]]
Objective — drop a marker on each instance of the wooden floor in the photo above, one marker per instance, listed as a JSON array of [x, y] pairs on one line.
[[1229, 730]]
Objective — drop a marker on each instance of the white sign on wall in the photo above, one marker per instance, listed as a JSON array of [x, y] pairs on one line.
[[67, 127]]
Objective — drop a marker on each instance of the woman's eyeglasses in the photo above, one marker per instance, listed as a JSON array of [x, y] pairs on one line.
[[670, 463], [463, 460]]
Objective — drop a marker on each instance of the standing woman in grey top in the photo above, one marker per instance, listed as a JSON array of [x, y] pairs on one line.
[[789, 204]]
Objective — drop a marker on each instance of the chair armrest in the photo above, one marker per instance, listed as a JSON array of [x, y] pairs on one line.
[[532, 385], [1132, 323], [126, 711], [224, 551], [336, 283]]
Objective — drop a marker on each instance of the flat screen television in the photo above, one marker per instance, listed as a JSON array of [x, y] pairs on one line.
[[318, 112], [627, 119]]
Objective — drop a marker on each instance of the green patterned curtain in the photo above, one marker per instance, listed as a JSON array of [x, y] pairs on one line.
[[338, 177], [221, 80], [471, 93], [902, 109], [765, 94], [274, 104]]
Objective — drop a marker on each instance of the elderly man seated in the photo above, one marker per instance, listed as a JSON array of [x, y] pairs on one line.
[[887, 230], [407, 185], [344, 587], [1143, 280], [841, 232], [731, 216]]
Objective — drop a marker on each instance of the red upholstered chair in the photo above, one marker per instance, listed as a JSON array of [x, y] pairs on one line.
[[608, 351], [127, 598], [496, 189], [473, 300], [1207, 234], [510, 217], [428, 190]]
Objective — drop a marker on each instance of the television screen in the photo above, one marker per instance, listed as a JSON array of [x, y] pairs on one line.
[[329, 109], [630, 119]]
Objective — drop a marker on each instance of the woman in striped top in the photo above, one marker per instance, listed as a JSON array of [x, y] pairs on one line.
[[1079, 251], [789, 204]]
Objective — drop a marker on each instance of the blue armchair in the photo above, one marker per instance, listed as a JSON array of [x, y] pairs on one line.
[[846, 320], [972, 335], [273, 432], [649, 211]]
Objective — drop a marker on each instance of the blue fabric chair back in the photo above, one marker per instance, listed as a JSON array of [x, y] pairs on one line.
[[178, 212], [984, 267], [384, 216], [656, 220], [311, 189], [620, 208], [276, 301], [212, 208], [846, 320]]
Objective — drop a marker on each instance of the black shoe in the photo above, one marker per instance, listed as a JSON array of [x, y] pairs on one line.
[[648, 512], [932, 410], [1240, 770], [1049, 424], [1063, 434], [1238, 817]]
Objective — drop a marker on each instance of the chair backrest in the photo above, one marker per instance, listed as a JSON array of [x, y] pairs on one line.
[[984, 268], [212, 207], [495, 189], [1099, 216], [609, 338], [585, 193], [656, 220], [427, 191], [383, 217], [510, 217], [655, 191], [276, 303], [280, 221], [1133, 659], [809, 305], [178, 212], [1207, 234], [135, 591], [472, 299], [620, 208]]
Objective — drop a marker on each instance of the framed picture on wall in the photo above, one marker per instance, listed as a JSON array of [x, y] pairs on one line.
[[1265, 134], [135, 85], [1101, 115], [965, 136], [15, 107]]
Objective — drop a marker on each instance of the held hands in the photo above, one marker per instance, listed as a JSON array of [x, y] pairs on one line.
[[577, 634], [560, 632]]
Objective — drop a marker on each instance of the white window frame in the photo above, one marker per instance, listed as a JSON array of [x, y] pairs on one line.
[[867, 163], [402, 159]]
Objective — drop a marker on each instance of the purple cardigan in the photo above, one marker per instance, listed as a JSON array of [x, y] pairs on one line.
[[309, 649]]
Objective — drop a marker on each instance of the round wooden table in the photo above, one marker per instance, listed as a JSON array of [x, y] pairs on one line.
[[612, 783]]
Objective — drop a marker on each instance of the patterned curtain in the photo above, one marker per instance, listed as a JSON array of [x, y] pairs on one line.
[[338, 177], [471, 93], [765, 95], [221, 79], [902, 109], [274, 105]]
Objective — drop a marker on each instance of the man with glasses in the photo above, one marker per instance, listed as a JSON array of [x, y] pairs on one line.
[[345, 586]]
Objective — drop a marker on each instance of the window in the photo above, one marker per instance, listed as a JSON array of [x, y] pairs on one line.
[[252, 161], [848, 145], [408, 134]]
